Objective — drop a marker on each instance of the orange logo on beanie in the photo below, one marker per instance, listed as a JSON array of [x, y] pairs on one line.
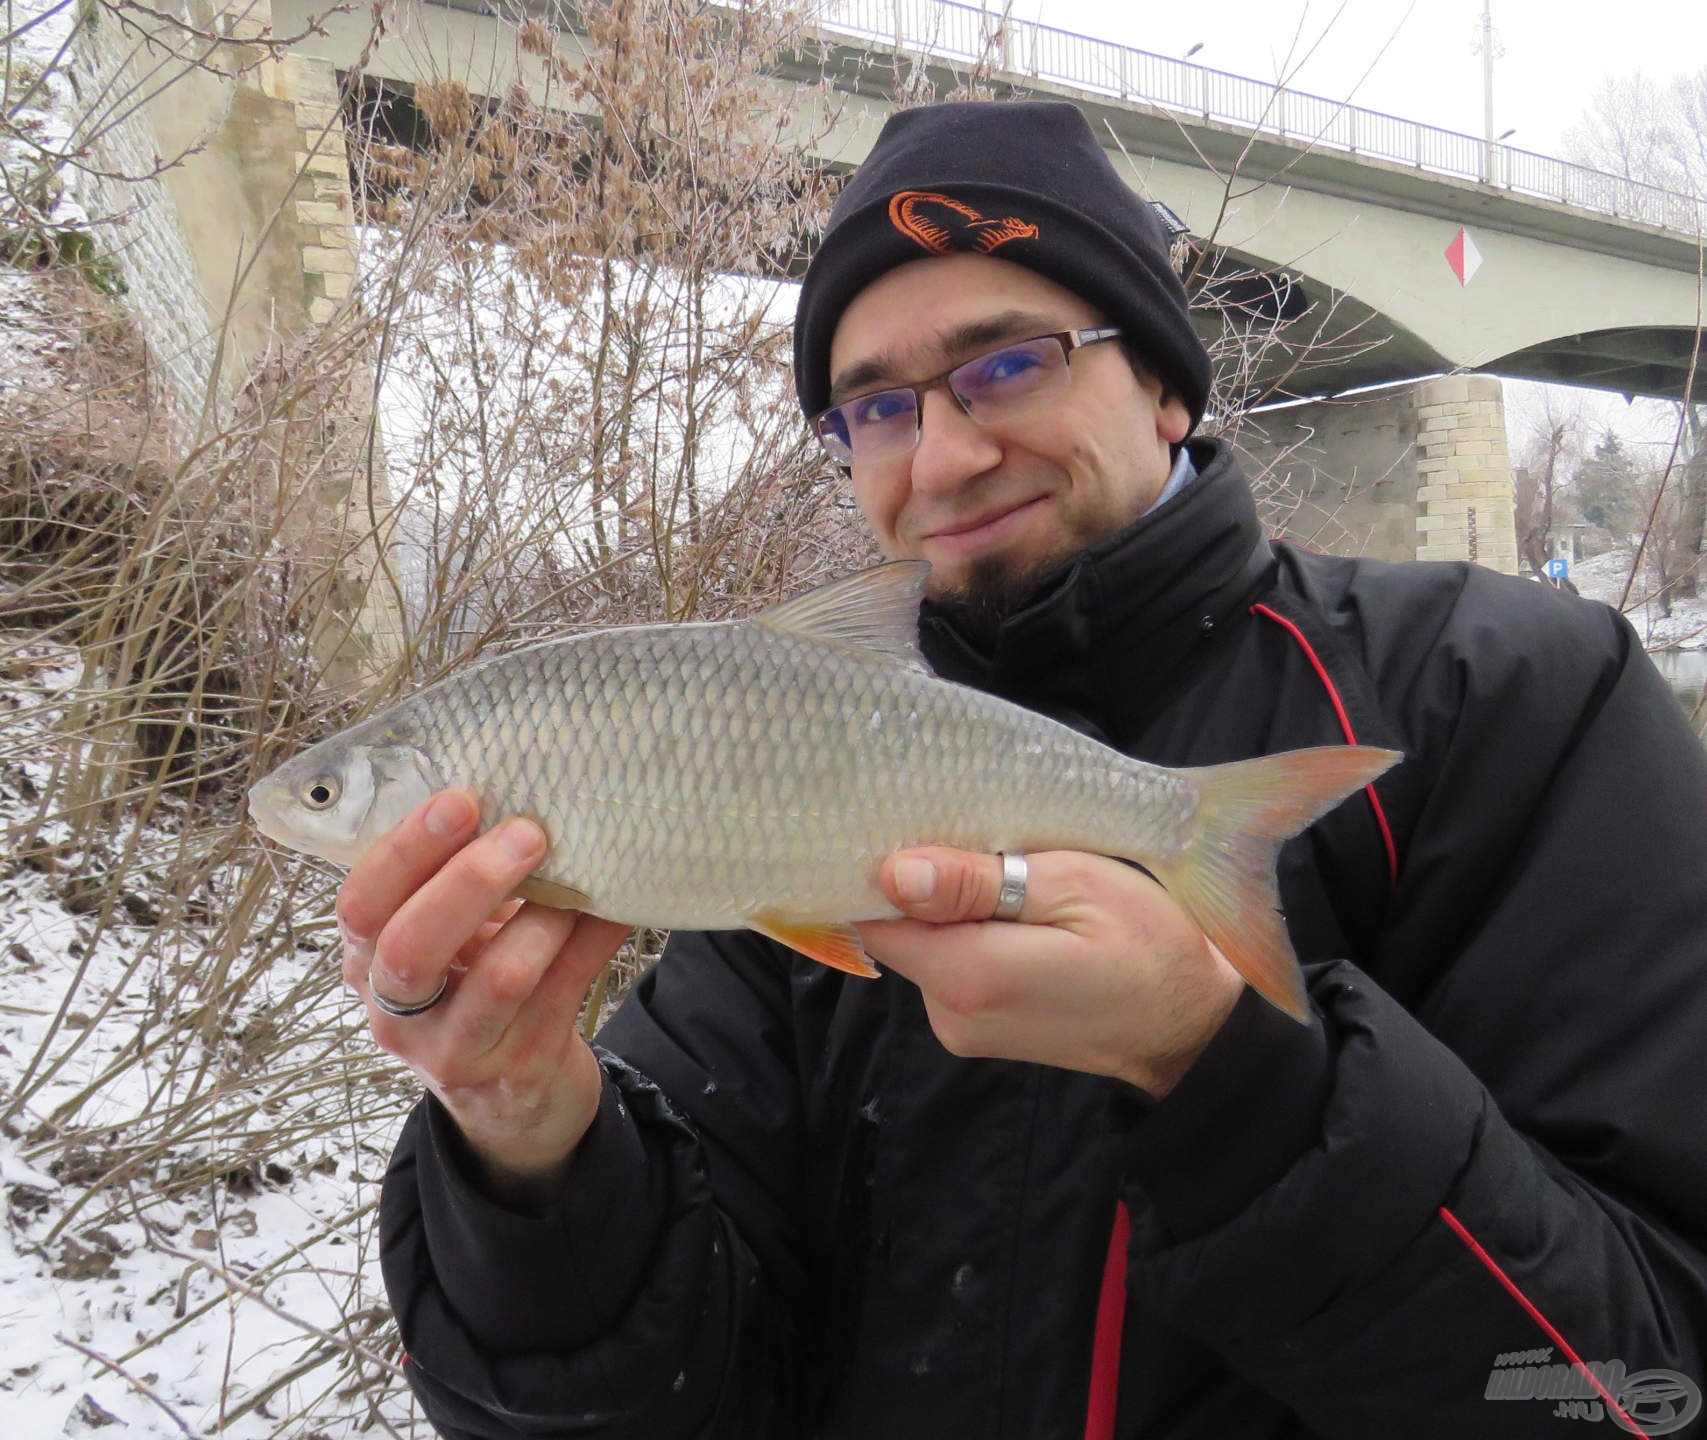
[[942, 224]]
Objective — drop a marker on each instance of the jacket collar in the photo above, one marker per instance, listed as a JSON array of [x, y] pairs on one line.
[[1135, 605]]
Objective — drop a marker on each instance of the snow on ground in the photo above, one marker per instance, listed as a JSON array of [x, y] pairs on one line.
[[1604, 577], [199, 1312], [40, 135], [29, 339]]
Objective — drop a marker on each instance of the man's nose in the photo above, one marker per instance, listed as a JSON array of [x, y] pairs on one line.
[[952, 447]]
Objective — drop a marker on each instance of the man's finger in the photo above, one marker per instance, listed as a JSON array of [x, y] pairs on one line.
[[508, 974], [418, 944], [401, 861], [563, 988], [943, 886]]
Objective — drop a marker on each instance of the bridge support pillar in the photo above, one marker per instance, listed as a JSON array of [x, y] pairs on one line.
[[242, 251], [1418, 473], [1465, 503], [362, 632]]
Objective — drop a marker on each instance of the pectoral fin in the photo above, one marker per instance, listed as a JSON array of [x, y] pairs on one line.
[[552, 894], [834, 945]]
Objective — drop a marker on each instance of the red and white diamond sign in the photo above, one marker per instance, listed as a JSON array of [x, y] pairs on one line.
[[1463, 256]]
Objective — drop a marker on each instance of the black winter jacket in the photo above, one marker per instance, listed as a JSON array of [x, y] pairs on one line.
[[796, 1214]]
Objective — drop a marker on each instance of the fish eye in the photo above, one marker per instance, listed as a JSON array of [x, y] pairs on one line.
[[321, 791]]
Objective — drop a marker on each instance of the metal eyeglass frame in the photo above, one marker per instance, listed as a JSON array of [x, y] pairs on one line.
[[1069, 341]]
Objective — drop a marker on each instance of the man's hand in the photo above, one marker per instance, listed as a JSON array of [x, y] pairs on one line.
[[500, 1050], [1103, 971]]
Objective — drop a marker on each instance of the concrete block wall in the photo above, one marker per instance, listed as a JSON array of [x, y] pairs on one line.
[[320, 197], [245, 246], [1347, 486], [312, 177], [323, 208], [1465, 508], [1418, 472], [246, 238], [139, 222]]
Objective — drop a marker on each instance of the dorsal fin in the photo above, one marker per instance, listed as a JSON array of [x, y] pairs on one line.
[[876, 609]]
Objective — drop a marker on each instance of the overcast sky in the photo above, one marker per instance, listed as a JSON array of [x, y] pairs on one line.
[[1421, 61]]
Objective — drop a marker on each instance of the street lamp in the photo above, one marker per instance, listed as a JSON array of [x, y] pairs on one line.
[[1489, 45]]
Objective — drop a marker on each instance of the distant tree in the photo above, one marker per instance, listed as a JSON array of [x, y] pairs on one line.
[[1647, 131], [1669, 496], [1660, 565], [1607, 488], [1692, 509], [1657, 133], [1549, 460]]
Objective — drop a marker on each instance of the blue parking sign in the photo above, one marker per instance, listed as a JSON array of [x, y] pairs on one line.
[[1558, 569]]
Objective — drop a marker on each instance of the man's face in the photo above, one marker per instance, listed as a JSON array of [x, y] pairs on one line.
[[992, 506]]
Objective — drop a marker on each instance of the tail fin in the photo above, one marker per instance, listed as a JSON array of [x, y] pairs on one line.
[[1225, 875]]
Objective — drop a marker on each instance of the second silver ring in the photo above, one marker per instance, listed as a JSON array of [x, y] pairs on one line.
[[402, 1011]]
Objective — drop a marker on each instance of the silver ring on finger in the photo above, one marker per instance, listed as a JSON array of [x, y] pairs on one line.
[[1010, 899], [402, 1011]]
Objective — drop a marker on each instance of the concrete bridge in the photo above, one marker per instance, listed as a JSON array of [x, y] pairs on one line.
[[1563, 274], [1573, 276], [1415, 252]]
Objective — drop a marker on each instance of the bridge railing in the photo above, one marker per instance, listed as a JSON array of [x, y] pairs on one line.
[[944, 30]]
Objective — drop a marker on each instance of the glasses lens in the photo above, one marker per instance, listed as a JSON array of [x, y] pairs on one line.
[[993, 384], [832, 431], [870, 427]]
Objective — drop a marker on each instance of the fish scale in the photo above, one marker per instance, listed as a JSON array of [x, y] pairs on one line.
[[756, 773]]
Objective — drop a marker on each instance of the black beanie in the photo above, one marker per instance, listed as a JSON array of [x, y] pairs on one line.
[[1025, 181]]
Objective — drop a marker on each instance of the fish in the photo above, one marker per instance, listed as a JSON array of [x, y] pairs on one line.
[[755, 773]]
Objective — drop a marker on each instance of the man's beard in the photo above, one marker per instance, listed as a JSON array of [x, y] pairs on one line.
[[994, 592]]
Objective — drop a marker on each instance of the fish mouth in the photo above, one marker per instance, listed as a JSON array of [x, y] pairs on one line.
[[265, 818]]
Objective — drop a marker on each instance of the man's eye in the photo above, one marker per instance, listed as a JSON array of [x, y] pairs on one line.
[[881, 408], [1006, 365]]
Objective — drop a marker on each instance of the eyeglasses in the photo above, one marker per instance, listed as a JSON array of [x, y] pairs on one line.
[[989, 388]]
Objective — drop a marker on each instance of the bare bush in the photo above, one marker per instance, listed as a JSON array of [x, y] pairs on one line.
[[575, 332]]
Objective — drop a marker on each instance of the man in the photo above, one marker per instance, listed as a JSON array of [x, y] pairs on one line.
[[1060, 1174]]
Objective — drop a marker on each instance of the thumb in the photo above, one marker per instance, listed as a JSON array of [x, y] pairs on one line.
[[941, 885]]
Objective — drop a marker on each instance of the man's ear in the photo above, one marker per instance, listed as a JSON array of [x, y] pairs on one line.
[[1173, 419], [1173, 416]]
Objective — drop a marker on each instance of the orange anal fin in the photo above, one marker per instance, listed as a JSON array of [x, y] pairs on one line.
[[834, 945]]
